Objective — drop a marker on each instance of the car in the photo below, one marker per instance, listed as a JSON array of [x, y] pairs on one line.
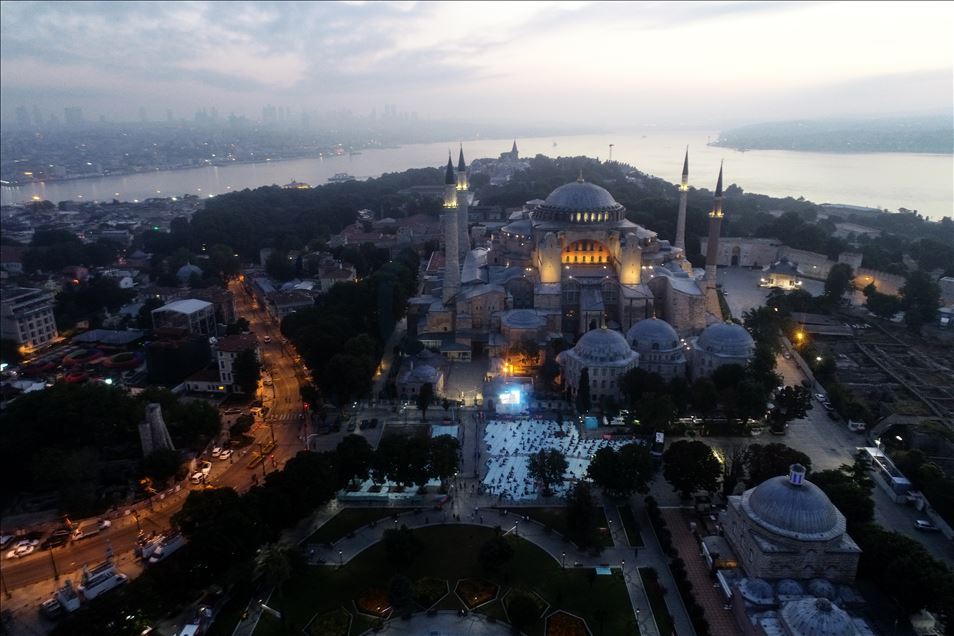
[[821, 397], [104, 524], [925, 525], [787, 355], [216, 451], [5, 540], [197, 478], [364, 425], [225, 454], [267, 339], [58, 537], [351, 427], [23, 548]]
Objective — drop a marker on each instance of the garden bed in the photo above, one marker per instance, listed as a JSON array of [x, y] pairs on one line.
[[628, 517], [374, 602], [657, 600], [476, 592], [561, 623], [428, 591], [334, 623]]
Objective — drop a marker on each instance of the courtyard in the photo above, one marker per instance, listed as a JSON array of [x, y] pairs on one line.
[[509, 443]]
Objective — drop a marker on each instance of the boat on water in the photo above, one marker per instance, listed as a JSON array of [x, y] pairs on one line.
[[341, 177]]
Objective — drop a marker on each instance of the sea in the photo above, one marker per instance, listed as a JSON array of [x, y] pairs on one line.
[[922, 182]]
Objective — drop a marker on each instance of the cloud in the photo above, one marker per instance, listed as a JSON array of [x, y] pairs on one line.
[[607, 61]]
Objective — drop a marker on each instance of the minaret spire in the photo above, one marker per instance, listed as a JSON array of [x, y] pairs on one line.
[[449, 172], [579, 179], [683, 200], [712, 249], [463, 203], [461, 166]]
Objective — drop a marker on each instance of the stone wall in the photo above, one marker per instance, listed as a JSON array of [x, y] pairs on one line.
[[883, 282], [745, 252]]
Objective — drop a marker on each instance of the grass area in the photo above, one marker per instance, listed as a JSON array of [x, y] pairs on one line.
[[349, 520], [631, 526], [556, 518], [451, 553], [656, 601]]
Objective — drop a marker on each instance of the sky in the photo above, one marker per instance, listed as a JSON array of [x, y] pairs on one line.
[[617, 64]]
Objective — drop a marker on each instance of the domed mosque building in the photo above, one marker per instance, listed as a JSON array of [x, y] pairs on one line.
[[798, 561], [566, 267]]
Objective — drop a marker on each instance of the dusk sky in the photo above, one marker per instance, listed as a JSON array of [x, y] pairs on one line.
[[615, 64]]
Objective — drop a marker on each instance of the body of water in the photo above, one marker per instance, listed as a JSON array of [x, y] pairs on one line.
[[886, 180]]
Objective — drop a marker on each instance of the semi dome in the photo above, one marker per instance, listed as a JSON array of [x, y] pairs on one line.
[[727, 338], [523, 319], [794, 508], [603, 346], [817, 617], [579, 202], [652, 334], [186, 271]]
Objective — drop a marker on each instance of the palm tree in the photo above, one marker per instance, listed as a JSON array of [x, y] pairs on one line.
[[273, 562]]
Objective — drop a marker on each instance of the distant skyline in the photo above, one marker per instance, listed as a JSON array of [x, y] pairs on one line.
[[713, 64]]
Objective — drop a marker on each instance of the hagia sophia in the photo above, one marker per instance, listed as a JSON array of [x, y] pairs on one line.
[[574, 267]]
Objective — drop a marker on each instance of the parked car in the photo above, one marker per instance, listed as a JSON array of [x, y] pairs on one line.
[[828, 406], [927, 526], [267, 339], [104, 524], [216, 451], [206, 467], [787, 355], [351, 427], [22, 548], [197, 478], [58, 537], [821, 397], [225, 454]]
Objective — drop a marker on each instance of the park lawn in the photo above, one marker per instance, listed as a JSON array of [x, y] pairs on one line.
[[349, 520], [658, 604], [555, 518], [451, 553], [631, 526]]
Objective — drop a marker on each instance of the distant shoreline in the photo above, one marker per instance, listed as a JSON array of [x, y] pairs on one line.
[[837, 151]]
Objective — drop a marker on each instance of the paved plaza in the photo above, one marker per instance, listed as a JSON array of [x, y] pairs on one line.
[[509, 443]]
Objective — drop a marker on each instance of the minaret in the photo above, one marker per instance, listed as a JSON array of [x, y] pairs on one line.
[[451, 237], [712, 249], [683, 197], [463, 203], [513, 151]]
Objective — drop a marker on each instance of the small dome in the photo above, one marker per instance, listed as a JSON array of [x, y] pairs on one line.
[[799, 511], [186, 271], [652, 334], [601, 346], [523, 319], [822, 588], [727, 338], [789, 587], [817, 617], [757, 591]]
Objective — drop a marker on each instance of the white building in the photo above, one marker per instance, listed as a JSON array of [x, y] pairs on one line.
[[659, 348], [27, 317], [229, 348], [606, 356], [720, 344], [195, 316]]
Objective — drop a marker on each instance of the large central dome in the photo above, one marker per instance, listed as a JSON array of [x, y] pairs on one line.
[[793, 508], [580, 202]]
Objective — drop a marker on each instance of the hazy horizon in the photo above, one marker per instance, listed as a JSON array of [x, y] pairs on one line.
[[563, 64]]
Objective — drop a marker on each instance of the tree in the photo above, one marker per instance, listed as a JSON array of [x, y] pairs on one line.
[[547, 466], [690, 466], [444, 458], [401, 546], [280, 266], [764, 461], [424, 399], [400, 592], [838, 281], [920, 298], [704, 396], [246, 370], [523, 611], [273, 564], [243, 424], [526, 350], [791, 402], [10, 351], [583, 392], [223, 262], [620, 473], [581, 516], [353, 459], [161, 465], [239, 326], [637, 383], [882, 305], [494, 554], [656, 412], [851, 499]]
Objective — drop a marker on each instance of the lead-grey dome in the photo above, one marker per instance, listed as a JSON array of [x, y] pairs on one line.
[[799, 511], [727, 339], [652, 334], [523, 319], [185, 272], [579, 202], [602, 347], [817, 617]]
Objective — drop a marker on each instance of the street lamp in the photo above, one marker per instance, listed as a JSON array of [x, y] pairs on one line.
[[564, 560], [340, 558]]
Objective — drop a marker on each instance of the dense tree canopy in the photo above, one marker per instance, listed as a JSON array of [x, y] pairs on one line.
[[691, 466]]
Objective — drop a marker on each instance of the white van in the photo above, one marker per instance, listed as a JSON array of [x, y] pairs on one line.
[[856, 427]]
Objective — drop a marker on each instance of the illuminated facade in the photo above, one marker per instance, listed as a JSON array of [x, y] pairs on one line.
[[571, 264]]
